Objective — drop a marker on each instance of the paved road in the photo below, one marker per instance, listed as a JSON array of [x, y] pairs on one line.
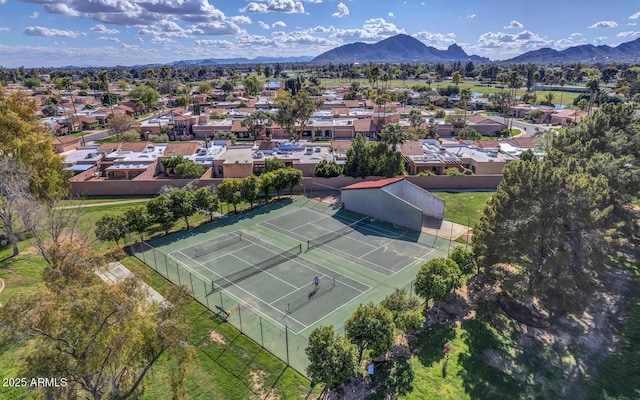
[[528, 130]]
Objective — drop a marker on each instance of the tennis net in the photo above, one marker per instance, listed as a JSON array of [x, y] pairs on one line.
[[329, 237], [326, 285], [262, 266], [200, 251]]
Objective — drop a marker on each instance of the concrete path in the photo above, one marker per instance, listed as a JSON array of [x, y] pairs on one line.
[[107, 203], [116, 271], [444, 229]]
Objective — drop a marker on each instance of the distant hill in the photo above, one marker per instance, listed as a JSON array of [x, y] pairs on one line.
[[398, 48], [257, 60], [624, 52]]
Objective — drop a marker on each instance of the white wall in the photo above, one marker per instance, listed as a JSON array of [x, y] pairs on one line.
[[430, 204], [383, 205]]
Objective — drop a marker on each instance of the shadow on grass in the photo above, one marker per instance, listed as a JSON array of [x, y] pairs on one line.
[[430, 342], [506, 361], [392, 378]]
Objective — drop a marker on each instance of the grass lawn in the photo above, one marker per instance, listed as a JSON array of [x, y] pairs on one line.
[[460, 207], [228, 365]]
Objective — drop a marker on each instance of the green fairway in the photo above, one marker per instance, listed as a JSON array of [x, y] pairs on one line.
[[462, 207], [560, 97]]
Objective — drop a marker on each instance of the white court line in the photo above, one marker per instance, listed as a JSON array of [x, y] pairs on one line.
[[344, 304], [262, 270], [223, 255], [209, 239], [340, 251], [254, 309]]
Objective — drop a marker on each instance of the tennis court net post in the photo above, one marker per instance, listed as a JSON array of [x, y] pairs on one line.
[[331, 236], [301, 302], [262, 266]]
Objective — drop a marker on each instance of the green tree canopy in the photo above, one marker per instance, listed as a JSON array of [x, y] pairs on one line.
[[230, 192], [26, 141], [250, 189], [161, 212], [144, 95], [182, 204], [111, 227], [327, 169], [137, 220], [332, 358], [206, 201], [371, 327], [547, 224], [406, 310], [437, 278]]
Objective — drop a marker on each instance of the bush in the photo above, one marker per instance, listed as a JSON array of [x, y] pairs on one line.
[[468, 133], [327, 169], [453, 171], [161, 138]]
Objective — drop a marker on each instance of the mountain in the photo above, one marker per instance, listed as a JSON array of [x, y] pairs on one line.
[[624, 52], [229, 61], [398, 48]]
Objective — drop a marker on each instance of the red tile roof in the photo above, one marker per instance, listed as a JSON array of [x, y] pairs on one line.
[[373, 184]]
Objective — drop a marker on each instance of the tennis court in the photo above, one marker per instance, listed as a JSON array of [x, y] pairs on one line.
[[276, 281], [352, 237], [256, 269]]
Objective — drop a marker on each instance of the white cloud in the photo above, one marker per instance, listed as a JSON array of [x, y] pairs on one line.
[[321, 29], [470, 16], [435, 39], [599, 40], [514, 24], [372, 29], [240, 19], [284, 6], [279, 24], [343, 11], [108, 39], [301, 38], [505, 45], [628, 34], [50, 32], [604, 24], [3, 1], [34, 15], [103, 29], [631, 23], [134, 47], [390, 14], [264, 25], [4, 29], [215, 28], [214, 42], [575, 39], [635, 16]]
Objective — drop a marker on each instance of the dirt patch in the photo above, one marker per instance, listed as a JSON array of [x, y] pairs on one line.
[[218, 338], [257, 386], [1, 288]]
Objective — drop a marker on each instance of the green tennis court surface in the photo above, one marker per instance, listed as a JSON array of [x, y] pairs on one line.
[[258, 268]]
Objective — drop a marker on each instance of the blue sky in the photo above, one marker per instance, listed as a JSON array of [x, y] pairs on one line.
[[51, 33]]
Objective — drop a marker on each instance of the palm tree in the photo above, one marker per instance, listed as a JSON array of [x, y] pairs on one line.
[[594, 87], [561, 82], [465, 97], [393, 136]]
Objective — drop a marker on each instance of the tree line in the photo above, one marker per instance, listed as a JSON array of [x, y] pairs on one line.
[[175, 204]]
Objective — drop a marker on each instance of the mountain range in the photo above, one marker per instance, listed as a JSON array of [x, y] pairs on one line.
[[398, 48], [624, 52], [404, 48]]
